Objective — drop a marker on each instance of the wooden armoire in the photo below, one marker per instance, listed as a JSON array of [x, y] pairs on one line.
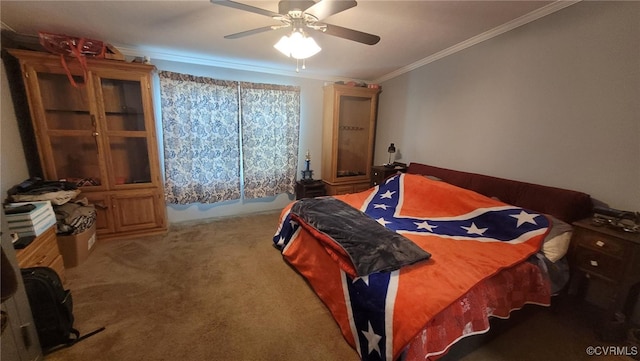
[[349, 126], [100, 134]]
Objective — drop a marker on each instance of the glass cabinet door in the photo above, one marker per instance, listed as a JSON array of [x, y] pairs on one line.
[[71, 130], [348, 132], [354, 128], [125, 131], [100, 134]]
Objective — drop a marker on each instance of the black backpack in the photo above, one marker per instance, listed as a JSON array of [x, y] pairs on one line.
[[51, 306]]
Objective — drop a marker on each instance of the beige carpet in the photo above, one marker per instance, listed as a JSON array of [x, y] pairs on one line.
[[218, 290]]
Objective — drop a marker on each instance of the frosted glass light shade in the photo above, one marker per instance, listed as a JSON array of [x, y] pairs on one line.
[[297, 46]]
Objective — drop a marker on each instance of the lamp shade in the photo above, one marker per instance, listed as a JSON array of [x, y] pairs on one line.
[[297, 46]]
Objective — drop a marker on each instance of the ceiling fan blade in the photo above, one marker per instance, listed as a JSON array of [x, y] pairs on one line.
[[351, 34], [325, 8], [248, 32], [249, 8]]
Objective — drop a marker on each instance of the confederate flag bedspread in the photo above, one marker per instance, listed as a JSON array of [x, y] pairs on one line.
[[356, 241], [471, 239]]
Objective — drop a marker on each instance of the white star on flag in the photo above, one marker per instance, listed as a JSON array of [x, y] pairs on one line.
[[387, 194], [364, 279], [525, 217], [473, 229], [425, 225], [372, 339], [381, 206], [382, 221]]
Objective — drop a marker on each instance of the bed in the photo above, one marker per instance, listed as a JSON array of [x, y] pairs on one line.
[[411, 266]]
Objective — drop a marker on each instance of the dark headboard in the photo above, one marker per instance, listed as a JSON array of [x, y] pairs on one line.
[[564, 204]]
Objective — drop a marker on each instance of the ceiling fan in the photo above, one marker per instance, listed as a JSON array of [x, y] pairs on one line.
[[301, 15]]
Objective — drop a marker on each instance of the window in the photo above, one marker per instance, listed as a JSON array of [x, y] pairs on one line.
[[224, 136]]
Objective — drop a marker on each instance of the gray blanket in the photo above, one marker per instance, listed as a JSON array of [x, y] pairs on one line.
[[370, 246]]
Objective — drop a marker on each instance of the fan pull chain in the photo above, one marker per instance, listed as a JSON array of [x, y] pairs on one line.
[[304, 65]]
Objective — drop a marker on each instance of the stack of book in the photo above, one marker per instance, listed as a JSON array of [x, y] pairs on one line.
[[26, 220]]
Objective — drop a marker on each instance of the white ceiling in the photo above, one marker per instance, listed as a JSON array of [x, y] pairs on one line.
[[412, 33]]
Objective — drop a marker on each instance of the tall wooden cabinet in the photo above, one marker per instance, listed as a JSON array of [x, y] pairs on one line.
[[100, 134], [348, 136]]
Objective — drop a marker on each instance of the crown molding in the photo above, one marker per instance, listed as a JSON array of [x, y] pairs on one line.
[[209, 61], [525, 19]]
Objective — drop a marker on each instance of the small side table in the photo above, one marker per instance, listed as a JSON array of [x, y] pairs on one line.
[[43, 251], [612, 256], [310, 189], [380, 172]]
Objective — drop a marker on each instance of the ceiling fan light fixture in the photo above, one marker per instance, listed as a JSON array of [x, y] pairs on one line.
[[297, 46], [283, 45]]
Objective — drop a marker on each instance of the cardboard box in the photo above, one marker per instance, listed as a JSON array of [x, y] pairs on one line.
[[76, 248]]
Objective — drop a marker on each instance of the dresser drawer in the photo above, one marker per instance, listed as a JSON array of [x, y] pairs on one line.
[[598, 263], [602, 243], [315, 193], [361, 187], [310, 189], [377, 177], [336, 189], [343, 189], [41, 252]]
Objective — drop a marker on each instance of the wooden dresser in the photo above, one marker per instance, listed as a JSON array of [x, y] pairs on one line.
[[612, 256], [42, 252]]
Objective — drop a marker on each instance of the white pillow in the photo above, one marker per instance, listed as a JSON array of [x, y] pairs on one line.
[[556, 243], [556, 247]]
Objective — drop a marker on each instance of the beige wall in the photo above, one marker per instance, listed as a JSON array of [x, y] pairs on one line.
[[556, 101], [13, 168]]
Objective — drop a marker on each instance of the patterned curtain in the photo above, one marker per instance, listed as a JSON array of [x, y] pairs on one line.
[[201, 138], [270, 118]]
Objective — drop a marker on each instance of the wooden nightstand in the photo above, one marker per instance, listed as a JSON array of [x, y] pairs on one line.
[[310, 189], [43, 252], [380, 172], [612, 256]]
